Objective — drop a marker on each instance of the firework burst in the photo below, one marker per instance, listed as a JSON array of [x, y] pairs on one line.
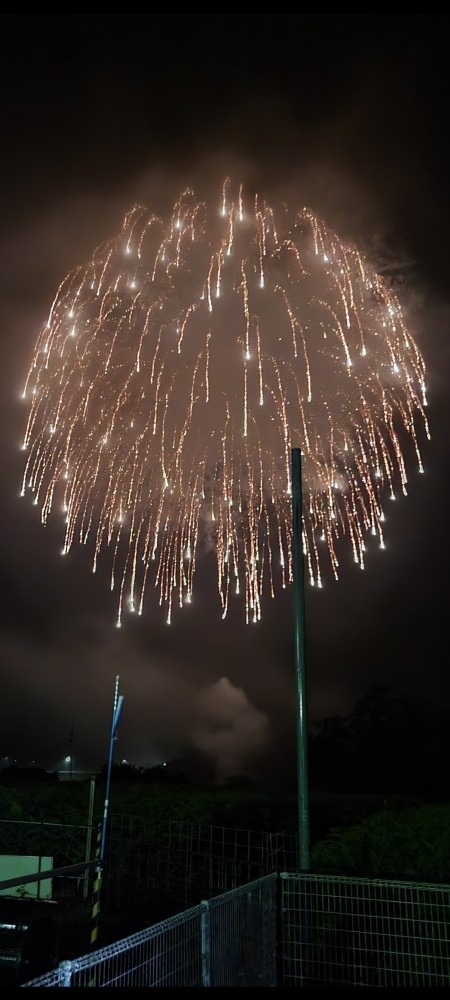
[[178, 368]]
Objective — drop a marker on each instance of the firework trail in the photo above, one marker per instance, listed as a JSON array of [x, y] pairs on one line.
[[179, 367]]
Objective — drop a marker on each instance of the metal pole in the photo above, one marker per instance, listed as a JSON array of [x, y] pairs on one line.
[[89, 835], [108, 773], [300, 668], [101, 836]]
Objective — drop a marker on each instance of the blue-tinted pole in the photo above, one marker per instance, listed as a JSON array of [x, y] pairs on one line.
[[108, 773], [300, 664]]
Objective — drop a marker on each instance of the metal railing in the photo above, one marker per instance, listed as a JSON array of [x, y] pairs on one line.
[[339, 931], [226, 941], [332, 931]]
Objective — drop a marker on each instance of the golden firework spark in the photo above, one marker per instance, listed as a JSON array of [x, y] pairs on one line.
[[178, 368]]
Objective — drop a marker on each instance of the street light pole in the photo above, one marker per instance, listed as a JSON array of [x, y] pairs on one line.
[[300, 664]]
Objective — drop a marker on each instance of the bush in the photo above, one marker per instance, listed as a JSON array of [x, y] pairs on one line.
[[404, 844]]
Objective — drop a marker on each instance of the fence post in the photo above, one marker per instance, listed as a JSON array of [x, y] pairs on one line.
[[66, 972], [206, 942]]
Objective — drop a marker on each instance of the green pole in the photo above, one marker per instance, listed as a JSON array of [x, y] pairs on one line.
[[300, 668]]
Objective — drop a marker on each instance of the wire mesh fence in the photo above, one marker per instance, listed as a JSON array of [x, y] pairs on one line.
[[339, 931], [227, 941], [243, 935], [150, 874], [53, 978], [177, 864], [312, 930], [195, 860], [166, 955]]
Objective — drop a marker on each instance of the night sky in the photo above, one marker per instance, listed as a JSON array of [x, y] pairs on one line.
[[348, 114]]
